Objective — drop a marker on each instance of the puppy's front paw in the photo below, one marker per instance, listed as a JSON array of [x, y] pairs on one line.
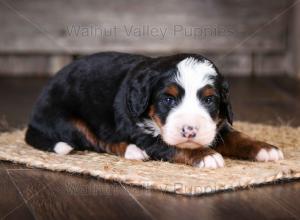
[[211, 161], [135, 153], [269, 154]]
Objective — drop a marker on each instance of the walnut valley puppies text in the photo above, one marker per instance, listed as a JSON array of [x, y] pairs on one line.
[[148, 31]]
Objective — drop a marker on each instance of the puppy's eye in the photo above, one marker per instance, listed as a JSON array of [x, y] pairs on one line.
[[208, 99], [169, 101]]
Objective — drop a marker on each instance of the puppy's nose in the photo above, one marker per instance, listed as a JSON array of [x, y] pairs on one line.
[[188, 131]]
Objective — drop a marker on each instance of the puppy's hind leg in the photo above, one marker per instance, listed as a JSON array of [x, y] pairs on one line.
[[123, 149], [60, 136], [38, 139], [62, 148]]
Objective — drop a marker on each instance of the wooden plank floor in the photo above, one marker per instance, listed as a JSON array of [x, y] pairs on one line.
[[27, 193]]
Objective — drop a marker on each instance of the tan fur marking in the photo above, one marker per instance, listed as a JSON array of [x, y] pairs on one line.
[[85, 130], [112, 148], [172, 90], [152, 114], [237, 144], [116, 148], [208, 91], [191, 156]]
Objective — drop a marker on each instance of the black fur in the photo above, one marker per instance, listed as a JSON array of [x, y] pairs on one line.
[[110, 92]]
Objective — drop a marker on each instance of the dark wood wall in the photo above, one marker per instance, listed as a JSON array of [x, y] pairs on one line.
[[243, 36]]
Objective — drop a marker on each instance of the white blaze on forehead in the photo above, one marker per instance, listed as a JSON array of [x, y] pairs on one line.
[[193, 74]]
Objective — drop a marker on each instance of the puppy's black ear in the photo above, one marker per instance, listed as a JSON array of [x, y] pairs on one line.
[[139, 93], [225, 105]]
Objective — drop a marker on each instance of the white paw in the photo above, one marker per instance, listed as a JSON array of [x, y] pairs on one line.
[[212, 161], [134, 153], [269, 155], [62, 148]]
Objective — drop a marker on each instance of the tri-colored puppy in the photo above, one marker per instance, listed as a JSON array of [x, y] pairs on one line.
[[173, 108]]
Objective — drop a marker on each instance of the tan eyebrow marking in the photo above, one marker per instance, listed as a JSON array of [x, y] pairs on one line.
[[208, 91], [172, 90]]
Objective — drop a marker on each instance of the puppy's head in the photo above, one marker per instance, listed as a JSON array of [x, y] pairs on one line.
[[181, 99]]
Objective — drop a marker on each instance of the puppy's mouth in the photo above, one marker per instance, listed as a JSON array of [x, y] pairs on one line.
[[189, 144], [186, 143]]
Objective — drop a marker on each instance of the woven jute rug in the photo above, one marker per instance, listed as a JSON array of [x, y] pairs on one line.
[[164, 176]]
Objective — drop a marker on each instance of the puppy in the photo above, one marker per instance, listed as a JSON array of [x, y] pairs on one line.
[[174, 108]]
